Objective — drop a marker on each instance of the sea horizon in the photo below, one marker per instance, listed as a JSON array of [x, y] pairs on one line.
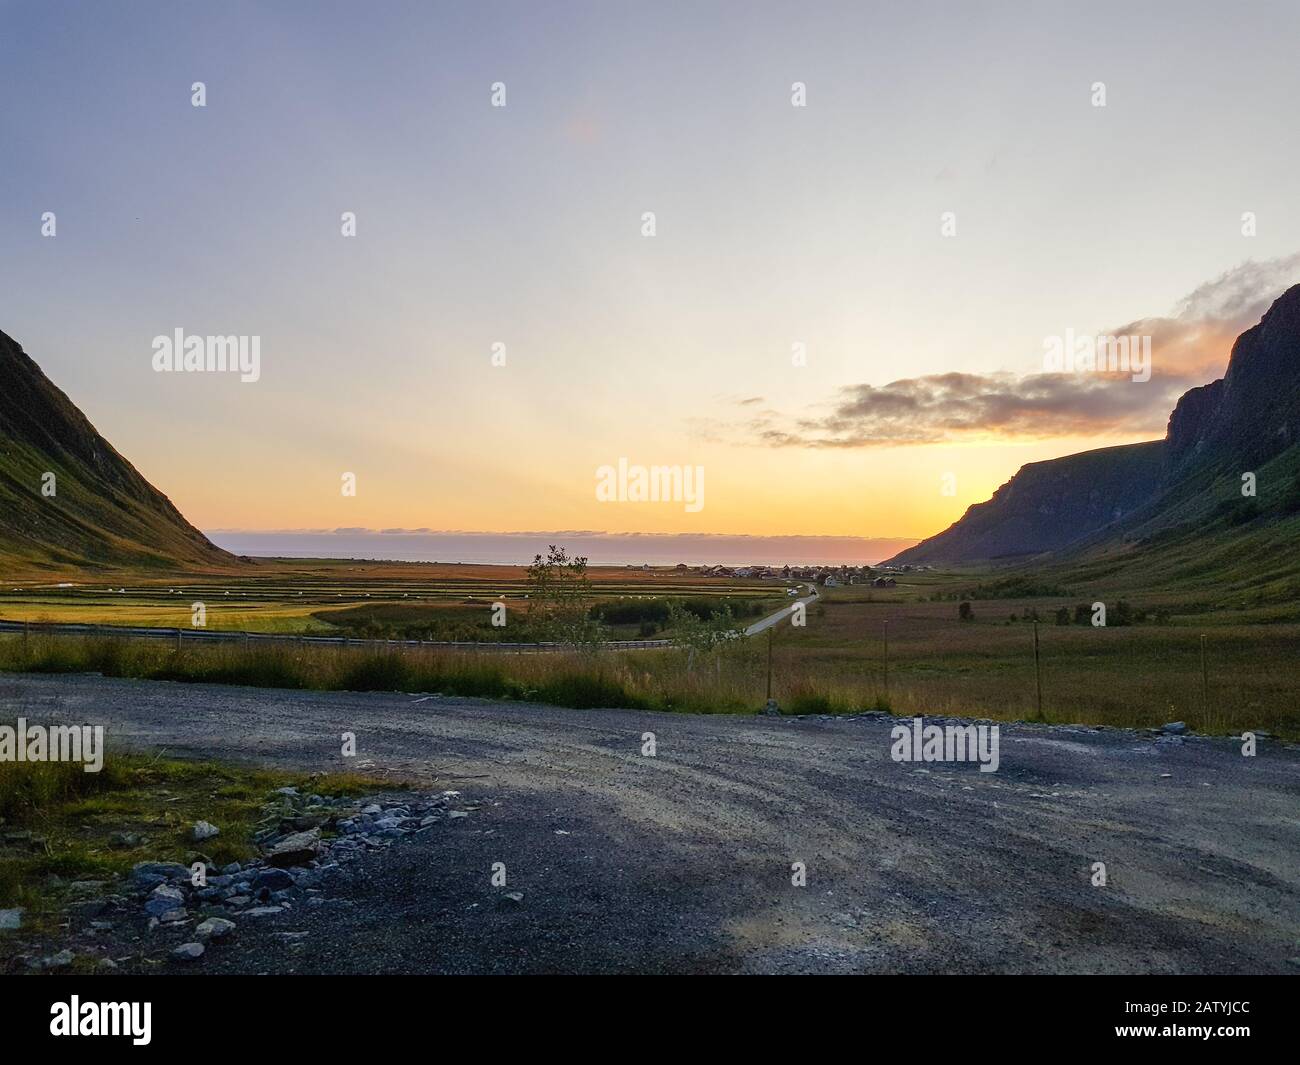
[[600, 548]]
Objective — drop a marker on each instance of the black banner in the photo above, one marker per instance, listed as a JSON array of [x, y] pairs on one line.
[[1013, 1012]]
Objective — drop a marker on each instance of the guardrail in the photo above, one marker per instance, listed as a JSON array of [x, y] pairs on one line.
[[184, 636]]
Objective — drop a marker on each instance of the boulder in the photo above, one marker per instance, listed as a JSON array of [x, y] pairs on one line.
[[297, 849], [214, 928]]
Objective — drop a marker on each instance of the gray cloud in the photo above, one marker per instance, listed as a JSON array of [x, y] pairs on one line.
[[1188, 349]]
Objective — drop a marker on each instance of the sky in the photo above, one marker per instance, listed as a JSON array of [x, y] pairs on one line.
[[841, 315]]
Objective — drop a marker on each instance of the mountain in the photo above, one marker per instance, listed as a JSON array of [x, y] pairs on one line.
[[1119, 500], [102, 513]]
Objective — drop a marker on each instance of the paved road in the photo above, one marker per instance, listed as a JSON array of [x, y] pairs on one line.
[[682, 861], [774, 619]]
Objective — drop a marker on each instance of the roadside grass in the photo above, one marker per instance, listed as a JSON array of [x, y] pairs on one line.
[[60, 824], [1131, 676]]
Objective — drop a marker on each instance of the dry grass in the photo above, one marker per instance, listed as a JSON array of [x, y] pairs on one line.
[[1141, 675]]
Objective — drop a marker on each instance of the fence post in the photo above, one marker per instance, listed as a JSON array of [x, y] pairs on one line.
[[1205, 682], [770, 632], [1038, 674], [179, 631], [886, 660]]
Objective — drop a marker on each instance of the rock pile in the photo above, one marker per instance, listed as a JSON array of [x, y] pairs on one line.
[[307, 841]]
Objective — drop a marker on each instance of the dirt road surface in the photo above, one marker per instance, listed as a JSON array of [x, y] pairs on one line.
[[682, 861]]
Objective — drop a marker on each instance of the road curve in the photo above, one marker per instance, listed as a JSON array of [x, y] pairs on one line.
[[681, 862]]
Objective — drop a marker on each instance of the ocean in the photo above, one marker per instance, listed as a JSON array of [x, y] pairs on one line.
[[601, 549]]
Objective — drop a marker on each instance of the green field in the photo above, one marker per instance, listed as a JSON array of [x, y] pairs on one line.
[[379, 600], [1143, 673]]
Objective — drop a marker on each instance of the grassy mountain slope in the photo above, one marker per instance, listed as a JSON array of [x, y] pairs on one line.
[[1167, 514], [1049, 505], [103, 513]]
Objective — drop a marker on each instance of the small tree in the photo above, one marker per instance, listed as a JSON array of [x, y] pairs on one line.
[[694, 634], [1063, 616], [559, 591], [965, 613]]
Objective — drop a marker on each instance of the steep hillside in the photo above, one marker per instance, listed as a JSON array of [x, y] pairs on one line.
[[1121, 500], [1048, 505], [103, 513]]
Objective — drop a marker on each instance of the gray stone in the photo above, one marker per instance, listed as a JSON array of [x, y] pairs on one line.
[[62, 960], [1174, 728], [204, 830], [273, 879], [511, 900], [231, 869], [188, 952], [165, 870], [297, 849], [11, 919], [263, 911], [214, 928], [164, 898]]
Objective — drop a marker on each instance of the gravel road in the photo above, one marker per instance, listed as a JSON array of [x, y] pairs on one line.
[[681, 862]]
